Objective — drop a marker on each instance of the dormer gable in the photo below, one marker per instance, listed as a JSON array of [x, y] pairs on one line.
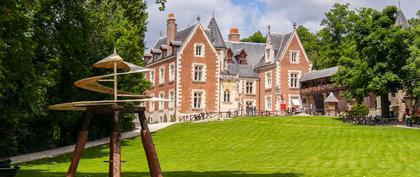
[[240, 56], [229, 56]]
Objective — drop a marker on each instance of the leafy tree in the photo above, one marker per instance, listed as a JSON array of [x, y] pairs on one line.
[[256, 37], [334, 36], [381, 50], [309, 42], [412, 81]]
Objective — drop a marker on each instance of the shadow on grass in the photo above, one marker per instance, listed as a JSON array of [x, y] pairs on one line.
[[38, 173], [89, 153]]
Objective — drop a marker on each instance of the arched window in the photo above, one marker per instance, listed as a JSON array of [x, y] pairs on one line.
[[226, 96]]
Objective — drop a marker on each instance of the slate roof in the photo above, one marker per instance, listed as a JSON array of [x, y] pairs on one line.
[[254, 53], [319, 74], [331, 99], [213, 33], [279, 42], [400, 19]]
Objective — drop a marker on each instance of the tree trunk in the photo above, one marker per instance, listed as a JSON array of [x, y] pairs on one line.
[[385, 105]]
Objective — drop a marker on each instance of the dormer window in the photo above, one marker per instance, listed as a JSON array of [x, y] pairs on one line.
[[267, 55], [229, 56], [242, 57]]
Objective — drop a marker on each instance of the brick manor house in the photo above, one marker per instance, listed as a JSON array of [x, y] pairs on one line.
[[201, 72]]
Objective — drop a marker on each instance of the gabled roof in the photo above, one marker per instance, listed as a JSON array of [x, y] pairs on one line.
[[400, 19], [279, 42], [254, 52], [331, 99], [319, 74], [179, 36], [213, 33]]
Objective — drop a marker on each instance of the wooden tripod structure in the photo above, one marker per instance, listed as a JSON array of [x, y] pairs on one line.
[[114, 107], [115, 140]]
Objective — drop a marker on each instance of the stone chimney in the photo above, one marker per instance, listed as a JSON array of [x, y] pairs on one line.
[[171, 31], [234, 34]]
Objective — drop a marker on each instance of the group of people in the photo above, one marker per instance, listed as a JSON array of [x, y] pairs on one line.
[[409, 114], [251, 110]]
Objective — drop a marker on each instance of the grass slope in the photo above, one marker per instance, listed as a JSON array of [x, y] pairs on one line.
[[258, 147]]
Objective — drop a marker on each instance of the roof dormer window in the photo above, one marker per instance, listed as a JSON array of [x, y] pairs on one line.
[[229, 56]]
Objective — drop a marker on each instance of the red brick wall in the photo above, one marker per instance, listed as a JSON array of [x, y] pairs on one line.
[[187, 85], [286, 65], [163, 87]]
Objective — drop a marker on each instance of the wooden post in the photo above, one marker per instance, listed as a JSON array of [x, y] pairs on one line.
[[80, 145], [115, 148], [146, 137]]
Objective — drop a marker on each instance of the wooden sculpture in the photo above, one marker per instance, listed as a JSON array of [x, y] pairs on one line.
[[114, 107]]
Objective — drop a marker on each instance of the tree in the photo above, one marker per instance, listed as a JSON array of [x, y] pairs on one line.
[[334, 36], [412, 81], [256, 37], [309, 42], [380, 52]]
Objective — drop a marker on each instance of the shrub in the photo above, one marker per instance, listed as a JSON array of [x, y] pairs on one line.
[[359, 110]]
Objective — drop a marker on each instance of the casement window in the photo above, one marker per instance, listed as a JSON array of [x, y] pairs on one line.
[[226, 96], [199, 72], [152, 104], [249, 87], [197, 99], [199, 50], [161, 75], [268, 103], [172, 72], [293, 82], [172, 98], [152, 77], [294, 56], [268, 80], [161, 103]]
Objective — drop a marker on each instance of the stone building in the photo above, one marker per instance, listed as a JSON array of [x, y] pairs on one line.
[[201, 72]]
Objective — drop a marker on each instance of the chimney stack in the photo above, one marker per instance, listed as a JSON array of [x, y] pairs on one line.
[[234, 34], [171, 31]]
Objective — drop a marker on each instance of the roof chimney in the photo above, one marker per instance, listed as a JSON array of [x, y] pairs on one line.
[[171, 31], [234, 34]]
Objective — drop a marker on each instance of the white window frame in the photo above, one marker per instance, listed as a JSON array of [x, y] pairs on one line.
[[201, 105], [247, 88], [152, 77], [161, 75], [297, 56], [203, 72], [161, 105], [295, 82], [268, 81], [199, 53], [172, 72], [268, 105], [171, 95]]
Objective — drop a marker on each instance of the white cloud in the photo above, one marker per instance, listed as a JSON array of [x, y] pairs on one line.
[[250, 16]]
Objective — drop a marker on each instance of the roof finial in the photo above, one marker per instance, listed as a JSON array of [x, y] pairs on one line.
[[198, 18], [269, 28]]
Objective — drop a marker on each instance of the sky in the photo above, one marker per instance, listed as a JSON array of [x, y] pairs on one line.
[[253, 15]]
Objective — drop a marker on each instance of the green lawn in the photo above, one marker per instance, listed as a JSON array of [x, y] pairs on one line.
[[258, 147]]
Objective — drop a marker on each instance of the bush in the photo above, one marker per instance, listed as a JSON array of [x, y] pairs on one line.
[[359, 110]]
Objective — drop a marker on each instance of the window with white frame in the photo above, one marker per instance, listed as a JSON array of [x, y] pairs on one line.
[[152, 104], [198, 72], [197, 99], [172, 98], [198, 50], [267, 55], [294, 56], [161, 103], [268, 80], [171, 72], [161, 75], [294, 80], [226, 96], [268, 103], [152, 77], [249, 87]]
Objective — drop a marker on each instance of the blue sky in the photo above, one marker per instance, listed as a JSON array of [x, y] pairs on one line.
[[252, 15]]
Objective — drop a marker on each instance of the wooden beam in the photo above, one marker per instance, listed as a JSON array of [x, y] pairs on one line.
[[115, 148]]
